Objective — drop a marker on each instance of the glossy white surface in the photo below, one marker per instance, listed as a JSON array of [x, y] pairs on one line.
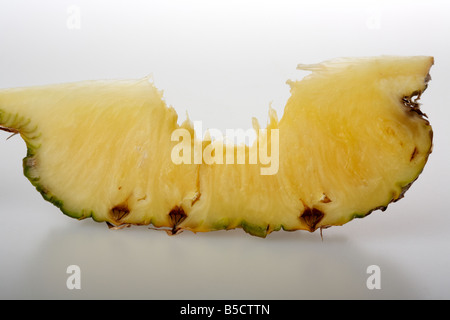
[[225, 62]]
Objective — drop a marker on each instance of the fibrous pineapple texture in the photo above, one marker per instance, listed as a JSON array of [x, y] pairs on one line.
[[352, 139]]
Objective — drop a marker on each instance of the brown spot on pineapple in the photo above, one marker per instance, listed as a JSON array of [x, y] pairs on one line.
[[325, 199], [177, 216], [13, 131], [412, 104], [119, 212], [414, 154], [311, 217], [30, 162]]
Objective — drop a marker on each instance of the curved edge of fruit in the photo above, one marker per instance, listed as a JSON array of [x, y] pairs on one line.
[[405, 186]]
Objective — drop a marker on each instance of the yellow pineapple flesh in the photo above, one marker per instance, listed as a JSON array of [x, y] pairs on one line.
[[352, 139]]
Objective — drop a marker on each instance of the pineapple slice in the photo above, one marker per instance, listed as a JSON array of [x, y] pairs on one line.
[[352, 139]]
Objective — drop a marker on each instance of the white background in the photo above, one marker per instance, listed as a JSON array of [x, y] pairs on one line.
[[224, 62]]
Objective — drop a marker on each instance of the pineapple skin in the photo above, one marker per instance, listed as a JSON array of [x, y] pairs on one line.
[[203, 197]]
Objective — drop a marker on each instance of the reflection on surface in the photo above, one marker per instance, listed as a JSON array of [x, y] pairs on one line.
[[137, 263]]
